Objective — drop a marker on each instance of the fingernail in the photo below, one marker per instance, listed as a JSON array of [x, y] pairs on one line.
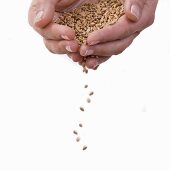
[[88, 52], [68, 48], [38, 16], [135, 10], [96, 67], [65, 37], [94, 43]]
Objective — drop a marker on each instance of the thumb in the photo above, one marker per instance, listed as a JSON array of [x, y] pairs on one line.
[[133, 9], [41, 13]]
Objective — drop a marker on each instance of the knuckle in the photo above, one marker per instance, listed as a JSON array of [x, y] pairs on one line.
[[118, 51], [50, 46], [149, 21], [124, 45], [48, 32], [55, 49], [127, 32], [43, 33]]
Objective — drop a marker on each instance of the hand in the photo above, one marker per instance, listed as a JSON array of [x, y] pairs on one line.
[[112, 40], [57, 38]]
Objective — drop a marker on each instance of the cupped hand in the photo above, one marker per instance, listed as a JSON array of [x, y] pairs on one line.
[[58, 39], [113, 40]]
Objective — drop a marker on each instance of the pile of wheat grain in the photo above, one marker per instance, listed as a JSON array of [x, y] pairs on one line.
[[91, 17]]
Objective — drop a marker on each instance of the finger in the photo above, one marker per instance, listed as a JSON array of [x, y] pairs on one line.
[[123, 28], [41, 13], [61, 47], [56, 32], [76, 57], [133, 9], [109, 48], [93, 63]]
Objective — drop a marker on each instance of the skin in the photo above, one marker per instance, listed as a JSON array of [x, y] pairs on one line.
[[111, 40]]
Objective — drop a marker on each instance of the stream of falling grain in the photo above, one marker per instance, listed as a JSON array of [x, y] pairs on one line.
[[77, 132], [84, 20]]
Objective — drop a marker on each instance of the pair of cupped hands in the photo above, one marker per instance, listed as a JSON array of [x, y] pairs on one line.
[[111, 40]]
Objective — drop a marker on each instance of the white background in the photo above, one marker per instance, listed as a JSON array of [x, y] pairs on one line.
[[127, 125]]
